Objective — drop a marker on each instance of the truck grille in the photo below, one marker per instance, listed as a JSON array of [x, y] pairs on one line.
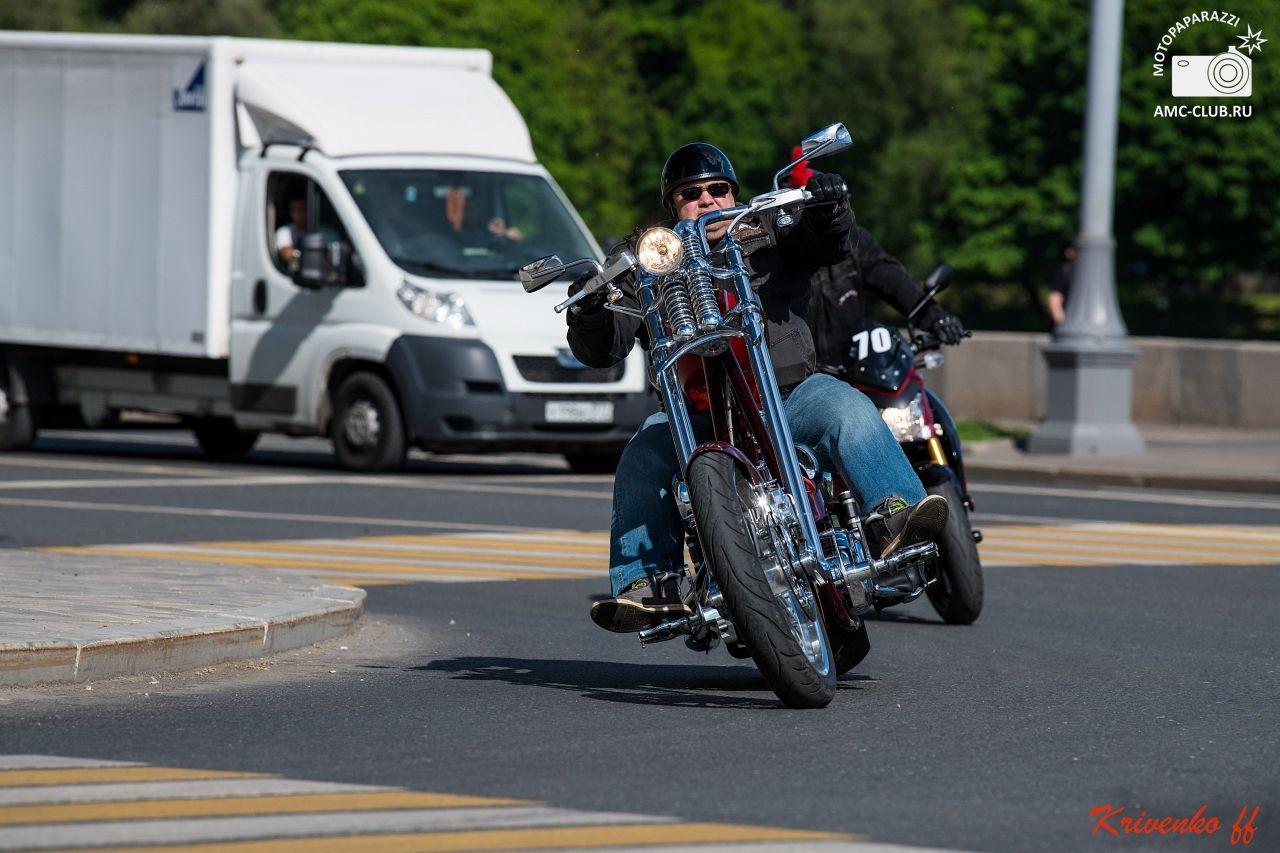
[[540, 368]]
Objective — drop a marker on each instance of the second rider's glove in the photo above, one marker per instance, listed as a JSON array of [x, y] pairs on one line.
[[828, 187], [948, 329]]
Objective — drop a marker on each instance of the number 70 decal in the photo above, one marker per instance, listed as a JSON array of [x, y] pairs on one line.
[[877, 339]]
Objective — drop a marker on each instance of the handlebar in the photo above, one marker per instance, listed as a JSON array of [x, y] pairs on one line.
[[923, 341]]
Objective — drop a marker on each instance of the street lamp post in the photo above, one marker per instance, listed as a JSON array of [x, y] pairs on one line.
[[1090, 364]]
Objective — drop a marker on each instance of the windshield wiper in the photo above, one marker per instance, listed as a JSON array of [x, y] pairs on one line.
[[429, 267]]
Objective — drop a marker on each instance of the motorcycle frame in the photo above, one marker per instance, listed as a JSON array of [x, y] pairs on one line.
[[767, 426]]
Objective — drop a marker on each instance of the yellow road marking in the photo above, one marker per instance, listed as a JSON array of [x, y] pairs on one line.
[[1159, 542], [1112, 559], [599, 542], [89, 775], [1261, 534], [1034, 559], [514, 555], [284, 562], [223, 806], [620, 835]]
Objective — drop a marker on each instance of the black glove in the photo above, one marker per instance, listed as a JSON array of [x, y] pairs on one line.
[[948, 329], [590, 304], [827, 187]]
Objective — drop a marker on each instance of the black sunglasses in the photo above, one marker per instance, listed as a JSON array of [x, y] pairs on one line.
[[719, 189]]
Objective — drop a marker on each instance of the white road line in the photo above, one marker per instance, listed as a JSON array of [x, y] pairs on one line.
[[247, 827], [364, 521], [117, 467], [159, 483], [296, 480]]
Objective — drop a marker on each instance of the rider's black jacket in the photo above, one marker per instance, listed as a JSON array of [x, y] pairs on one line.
[[838, 309], [781, 260]]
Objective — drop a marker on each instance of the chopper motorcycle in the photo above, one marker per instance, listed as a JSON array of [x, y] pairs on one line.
[[780, 570], [886, 365]]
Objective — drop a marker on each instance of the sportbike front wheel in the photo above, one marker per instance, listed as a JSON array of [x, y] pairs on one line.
[[777, 618]]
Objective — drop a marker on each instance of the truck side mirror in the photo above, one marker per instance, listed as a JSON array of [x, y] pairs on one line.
[[324, 263]]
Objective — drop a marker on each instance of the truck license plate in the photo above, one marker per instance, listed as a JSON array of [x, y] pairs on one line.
[[579, 412]]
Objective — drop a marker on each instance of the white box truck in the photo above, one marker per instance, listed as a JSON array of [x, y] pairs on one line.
[[312, 239]]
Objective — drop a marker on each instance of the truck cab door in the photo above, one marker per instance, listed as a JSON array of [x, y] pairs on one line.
[[276, 366]]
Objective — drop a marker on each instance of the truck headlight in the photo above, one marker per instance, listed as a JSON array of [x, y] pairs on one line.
[[907, 423], [659, 251], [449, 309]]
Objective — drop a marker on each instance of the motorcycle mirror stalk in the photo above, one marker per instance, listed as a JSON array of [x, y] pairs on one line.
[[937, 282], [831, 139]]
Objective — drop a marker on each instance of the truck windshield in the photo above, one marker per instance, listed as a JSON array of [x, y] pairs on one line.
[[460, 224]]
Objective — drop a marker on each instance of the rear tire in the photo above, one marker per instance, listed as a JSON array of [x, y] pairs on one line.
[[366, 430], [957, 594], [220, 438], [849, 647], [593, 461], [767, 622]]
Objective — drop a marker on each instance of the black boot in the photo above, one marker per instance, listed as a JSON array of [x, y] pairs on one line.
[[894, 524]]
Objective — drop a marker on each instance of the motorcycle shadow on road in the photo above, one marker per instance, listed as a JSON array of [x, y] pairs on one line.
[[670, 685]]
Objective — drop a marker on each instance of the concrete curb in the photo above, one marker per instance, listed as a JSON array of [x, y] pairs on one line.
[[124, 618]]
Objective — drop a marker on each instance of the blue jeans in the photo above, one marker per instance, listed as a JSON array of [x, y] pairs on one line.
[[842, 427]]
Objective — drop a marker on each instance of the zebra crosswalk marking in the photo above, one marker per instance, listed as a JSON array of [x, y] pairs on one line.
[[210, 811], [461, 567], [560, 555], [282, 804], [556, 838], [1114, 544], [76, 775]]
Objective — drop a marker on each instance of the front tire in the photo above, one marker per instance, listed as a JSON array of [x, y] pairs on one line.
[[366, 429], [17, 421], [789, 647], [220, 438], [957, 593]]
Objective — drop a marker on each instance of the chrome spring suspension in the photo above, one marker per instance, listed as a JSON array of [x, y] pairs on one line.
[[679, 312], [701, 293]]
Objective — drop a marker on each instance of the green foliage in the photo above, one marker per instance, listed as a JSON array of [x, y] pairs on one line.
[[967, 117]]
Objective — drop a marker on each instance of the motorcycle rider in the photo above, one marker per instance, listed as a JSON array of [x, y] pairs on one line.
[[838, 309], [838, 422]]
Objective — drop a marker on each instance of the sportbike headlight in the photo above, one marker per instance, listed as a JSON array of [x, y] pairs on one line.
[[659, 251], [907, 423]]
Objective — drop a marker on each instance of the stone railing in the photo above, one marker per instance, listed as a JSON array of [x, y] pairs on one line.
[[1003, 376]]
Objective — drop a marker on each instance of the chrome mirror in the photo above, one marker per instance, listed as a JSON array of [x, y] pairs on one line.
[[832, 139], [538, 274]]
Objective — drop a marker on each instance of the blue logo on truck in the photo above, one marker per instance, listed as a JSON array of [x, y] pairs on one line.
[[191, 98]]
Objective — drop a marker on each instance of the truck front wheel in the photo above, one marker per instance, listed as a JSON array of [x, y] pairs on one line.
[[366, 430], [220, 438], [17, 422]]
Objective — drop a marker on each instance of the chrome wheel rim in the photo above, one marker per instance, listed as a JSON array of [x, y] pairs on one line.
[[362, 426], [793, 591]]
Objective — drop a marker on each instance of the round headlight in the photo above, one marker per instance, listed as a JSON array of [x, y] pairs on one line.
[[659, 251]]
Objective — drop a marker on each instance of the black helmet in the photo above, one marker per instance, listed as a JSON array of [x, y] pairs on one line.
[[693, 162]]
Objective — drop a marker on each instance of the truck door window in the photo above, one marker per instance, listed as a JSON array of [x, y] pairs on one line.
[[297, 206]]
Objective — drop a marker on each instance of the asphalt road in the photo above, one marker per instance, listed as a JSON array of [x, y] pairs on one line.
[[1147, 684]]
